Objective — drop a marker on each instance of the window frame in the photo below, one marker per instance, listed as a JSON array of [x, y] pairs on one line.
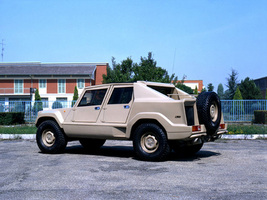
[[80, 81], [17, 82], [42, 83], [61, 86], [45, 102]]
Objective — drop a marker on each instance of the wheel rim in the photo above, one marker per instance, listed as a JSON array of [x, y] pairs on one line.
[[48, 138], [149, 143], [214, 111]]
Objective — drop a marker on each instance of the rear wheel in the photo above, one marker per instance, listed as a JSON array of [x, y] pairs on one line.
[[50, 138], [92, 144], [150, 142]]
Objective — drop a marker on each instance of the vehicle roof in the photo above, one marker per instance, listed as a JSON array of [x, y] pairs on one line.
[[138, 82]]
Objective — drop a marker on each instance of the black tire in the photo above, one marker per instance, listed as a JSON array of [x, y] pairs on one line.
[[186, 150], [92, 144], [209, 111], [150, 142], [50, 138]]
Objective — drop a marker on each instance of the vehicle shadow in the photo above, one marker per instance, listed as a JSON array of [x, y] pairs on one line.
[[198, 156], [128, 152], [110, 151]]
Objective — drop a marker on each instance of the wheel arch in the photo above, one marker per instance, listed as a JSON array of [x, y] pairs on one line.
[[143, 121], [42, 119]]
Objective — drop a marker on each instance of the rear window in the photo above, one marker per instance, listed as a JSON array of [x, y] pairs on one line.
[[162, 90]]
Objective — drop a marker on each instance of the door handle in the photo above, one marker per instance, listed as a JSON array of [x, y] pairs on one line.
[[126, 107], [97, 108]]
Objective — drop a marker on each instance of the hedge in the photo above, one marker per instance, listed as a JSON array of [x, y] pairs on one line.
[[260, 116], [8, 118]]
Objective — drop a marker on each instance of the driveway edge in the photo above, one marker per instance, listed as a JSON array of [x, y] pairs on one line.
[[17, 136]]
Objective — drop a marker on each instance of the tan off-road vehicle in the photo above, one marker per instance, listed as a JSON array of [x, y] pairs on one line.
[[157, 117]]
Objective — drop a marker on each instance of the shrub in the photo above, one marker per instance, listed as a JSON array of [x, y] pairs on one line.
[[8, 118], [38, 104], [75, 96], [56, 105], [260, 116]]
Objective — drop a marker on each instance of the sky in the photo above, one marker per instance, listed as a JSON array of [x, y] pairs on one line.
[[201, 39]]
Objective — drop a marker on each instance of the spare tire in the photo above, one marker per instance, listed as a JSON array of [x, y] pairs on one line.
[[209, 111]]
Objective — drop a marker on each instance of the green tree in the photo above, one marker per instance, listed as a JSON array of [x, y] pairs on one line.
[[237, 105], [238, 95], [196, 91], [231, 84], [182, 86], [204, 89], [147, 70], [266, 94], [249, 89], [128, 71], [75, 96], [38, 104], [220, 91], [120, 72], [210, 87]]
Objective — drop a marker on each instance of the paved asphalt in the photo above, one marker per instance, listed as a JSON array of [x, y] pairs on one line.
[[225, 169]]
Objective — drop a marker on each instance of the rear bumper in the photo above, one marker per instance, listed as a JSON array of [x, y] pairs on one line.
[[189, 134]]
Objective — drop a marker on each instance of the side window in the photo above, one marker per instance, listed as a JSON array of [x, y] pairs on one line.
[[93, 97], [121, 95]]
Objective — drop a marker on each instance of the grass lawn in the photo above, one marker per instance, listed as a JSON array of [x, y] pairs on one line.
[[18, 129], [247, 129]]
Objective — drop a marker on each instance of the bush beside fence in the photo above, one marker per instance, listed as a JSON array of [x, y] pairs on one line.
[[260, 116], [8, 118]]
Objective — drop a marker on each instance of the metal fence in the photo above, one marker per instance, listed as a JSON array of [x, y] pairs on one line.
[[241, 110], [233, 110], [31, 108]]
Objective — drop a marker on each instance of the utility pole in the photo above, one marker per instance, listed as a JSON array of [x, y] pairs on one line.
[[2, 54]]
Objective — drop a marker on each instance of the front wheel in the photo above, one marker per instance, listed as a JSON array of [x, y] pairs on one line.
[[50, 138], [150, 142]]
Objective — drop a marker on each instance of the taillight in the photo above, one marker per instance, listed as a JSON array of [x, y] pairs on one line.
[[222, 126], [196, 128]]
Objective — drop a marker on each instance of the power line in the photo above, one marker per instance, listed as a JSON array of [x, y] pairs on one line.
[[2, 54]]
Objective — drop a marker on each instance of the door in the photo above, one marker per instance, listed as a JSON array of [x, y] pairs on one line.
[[89, 107], [117, 109]]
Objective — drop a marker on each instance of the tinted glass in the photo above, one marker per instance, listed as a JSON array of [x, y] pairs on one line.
[[121, 95], [93, 97], [162, 90]]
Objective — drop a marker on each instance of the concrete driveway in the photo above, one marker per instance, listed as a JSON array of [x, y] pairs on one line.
[[225, 169]]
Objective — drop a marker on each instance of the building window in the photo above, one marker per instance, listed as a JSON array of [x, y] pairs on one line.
[[63, 102], [42, 83], [18, 86], [45, 102], [80, 83], [61, 86]]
